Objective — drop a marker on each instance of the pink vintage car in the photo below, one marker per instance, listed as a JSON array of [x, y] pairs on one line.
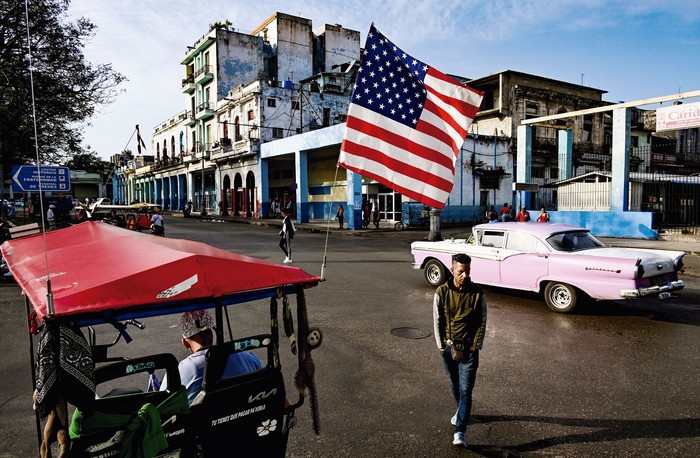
[[564, 262]]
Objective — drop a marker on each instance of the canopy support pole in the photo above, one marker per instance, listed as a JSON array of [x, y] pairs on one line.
[[28, 307], [218, 311]]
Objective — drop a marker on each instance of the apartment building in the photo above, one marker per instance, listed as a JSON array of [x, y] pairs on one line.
[[242, 90]]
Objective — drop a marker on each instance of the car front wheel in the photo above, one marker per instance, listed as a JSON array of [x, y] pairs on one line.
[[434, 273], [560, 297]]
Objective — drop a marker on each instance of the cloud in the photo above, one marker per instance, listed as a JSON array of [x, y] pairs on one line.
[[146, 40]]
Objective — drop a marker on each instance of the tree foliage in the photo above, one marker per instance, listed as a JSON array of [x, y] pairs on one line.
[[66, 88], [88, 161], [226, 25]]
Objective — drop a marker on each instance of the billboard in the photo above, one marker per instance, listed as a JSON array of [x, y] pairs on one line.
[[678, 117]]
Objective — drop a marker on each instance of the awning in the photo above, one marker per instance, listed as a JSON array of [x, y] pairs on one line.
[[99, 268]]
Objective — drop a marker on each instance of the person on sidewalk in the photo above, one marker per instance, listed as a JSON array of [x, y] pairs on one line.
[[375, 214], [286, 236], [459, 321], [543, 216], [339, 215], [523, 215], [505, 212], [365, 216], [51, 217]]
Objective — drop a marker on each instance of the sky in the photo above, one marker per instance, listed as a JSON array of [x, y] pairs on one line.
[[633, 50]]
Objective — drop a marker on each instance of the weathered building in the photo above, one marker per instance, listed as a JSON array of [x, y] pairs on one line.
[[263, 122], [242, 90]]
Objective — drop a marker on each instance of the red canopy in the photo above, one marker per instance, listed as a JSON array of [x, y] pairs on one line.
[[96, 267]]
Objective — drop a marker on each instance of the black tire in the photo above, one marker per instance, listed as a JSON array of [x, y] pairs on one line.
[[560, 297], [434, 273], [399, 226]]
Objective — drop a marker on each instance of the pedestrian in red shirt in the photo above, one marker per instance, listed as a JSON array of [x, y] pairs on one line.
[[505, 212], [523, 215]]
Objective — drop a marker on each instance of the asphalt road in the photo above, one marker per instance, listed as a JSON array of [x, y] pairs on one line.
[[616, 379]]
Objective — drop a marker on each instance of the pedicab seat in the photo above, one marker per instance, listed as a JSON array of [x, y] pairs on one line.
[[244, 413], [126, 422]]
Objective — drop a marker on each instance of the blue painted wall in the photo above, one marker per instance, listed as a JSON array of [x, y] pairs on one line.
[[608, 224]]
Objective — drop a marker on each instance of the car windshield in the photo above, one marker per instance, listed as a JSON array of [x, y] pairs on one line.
[[574, 241]]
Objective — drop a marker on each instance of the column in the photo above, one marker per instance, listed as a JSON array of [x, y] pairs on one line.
[[302, 173], [565, 150], [619, 192], [353, 201], [159, 187], [264, 189], [524, 161]]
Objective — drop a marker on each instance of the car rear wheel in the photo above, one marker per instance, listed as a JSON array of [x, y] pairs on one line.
[[560, 297], [434, 273]]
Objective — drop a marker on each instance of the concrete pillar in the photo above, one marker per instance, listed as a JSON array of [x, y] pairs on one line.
[[524, 160], [165, 182], [435, 234], [159, 190], [174, 196], [264, 189], [181, 191], [217, 189], [353, 201], [301, 171], [565, 149], [619, 192], [190, 187]]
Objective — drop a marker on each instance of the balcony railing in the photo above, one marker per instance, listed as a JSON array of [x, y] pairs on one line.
[[203, 74], [203, 106], [188, 84], [191, 120], [204, 110]]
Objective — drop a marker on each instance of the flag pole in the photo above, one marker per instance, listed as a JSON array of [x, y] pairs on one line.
[[328, 221]]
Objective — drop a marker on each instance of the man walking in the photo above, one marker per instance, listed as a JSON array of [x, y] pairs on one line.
[[157, 224], [51, 217], [286, 236], [459, 318]]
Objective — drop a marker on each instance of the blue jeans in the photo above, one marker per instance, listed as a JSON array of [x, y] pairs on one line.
[[462, 379]]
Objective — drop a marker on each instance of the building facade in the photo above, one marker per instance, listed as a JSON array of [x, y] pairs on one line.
[[263, 124], [242, 90]]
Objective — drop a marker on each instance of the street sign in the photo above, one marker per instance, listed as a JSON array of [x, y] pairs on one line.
[[25, 178], [526, 187]]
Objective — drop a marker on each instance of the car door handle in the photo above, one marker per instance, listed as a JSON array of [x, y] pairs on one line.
[[541, 255]]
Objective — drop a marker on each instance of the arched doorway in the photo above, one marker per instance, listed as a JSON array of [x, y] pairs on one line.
[[251, 194], [225, 195], [237, 195]]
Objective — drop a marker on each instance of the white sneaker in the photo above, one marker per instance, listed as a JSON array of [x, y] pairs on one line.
[[459, 440], [287, 260], [453, 420]]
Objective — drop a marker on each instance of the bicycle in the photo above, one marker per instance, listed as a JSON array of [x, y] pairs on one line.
[[414, 220]]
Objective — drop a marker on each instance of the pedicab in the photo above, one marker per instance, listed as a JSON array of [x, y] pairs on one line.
[[137, 276]]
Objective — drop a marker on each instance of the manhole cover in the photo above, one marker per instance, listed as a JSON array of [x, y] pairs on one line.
[[410, 333]]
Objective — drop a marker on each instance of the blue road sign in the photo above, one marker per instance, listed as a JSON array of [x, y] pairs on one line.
[[25, 178]]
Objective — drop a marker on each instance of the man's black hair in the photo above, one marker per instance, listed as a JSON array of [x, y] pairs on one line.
[[462, 258]]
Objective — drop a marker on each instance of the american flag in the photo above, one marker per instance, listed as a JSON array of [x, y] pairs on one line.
[[406, 123]]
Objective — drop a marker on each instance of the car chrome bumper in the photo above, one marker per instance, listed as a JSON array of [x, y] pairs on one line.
[[651, 290], [416, 266]]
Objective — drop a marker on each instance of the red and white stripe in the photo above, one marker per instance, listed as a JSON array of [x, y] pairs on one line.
[[417, 162]]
